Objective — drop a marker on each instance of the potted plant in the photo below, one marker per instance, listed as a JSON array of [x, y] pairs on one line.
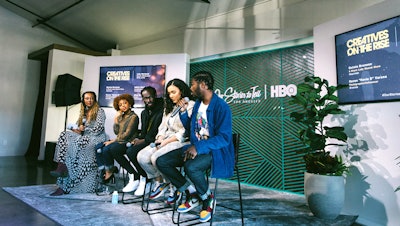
[[316, 100]]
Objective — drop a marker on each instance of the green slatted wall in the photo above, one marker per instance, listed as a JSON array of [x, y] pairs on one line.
[[268, 138]]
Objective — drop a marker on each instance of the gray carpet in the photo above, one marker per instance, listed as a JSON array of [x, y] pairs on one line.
[[261, 207]]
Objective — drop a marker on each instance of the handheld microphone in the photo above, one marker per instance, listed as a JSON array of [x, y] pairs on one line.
[[72, 126], [99, 147], [128, 144], [153, 145], [186, 99]]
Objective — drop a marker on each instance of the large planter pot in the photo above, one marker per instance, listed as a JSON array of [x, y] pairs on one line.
[[324, 194]]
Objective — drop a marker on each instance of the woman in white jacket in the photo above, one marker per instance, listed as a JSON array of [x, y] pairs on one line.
[[171, 135]]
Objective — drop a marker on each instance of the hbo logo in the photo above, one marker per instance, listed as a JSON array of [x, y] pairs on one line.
[[283, 91]]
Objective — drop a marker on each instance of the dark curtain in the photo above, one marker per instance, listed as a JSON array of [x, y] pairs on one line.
[[34, 144]]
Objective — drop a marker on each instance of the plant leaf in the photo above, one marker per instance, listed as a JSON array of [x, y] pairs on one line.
[[316, 100]]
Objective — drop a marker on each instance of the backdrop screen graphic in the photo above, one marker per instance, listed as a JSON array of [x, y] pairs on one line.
[[368, 61], [251, 85], [129, 79]]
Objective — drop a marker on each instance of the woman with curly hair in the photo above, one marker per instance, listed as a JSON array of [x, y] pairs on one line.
[[75, 150], [125, 126]]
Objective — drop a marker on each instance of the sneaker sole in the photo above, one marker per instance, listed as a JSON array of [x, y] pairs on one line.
[[127, 191], [141, 194], [190, 208], [147, 188], [161, 191], [211, 215], [158, 195]]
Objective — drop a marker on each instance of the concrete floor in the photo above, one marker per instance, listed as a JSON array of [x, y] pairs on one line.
[[17, 171]]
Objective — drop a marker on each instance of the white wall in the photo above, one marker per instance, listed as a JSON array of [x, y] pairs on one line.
[[19, 80], [177, 66], [375, 175]]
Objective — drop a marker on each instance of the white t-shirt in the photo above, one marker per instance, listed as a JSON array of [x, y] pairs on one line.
[[201, 129]]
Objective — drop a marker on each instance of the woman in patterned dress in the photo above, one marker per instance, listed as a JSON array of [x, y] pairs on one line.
[[75, 150]]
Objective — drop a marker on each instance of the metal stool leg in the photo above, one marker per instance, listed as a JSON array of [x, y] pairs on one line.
[[240, 196], [146, 203]]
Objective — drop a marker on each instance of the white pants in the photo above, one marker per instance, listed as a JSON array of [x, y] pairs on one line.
[[147, 157]]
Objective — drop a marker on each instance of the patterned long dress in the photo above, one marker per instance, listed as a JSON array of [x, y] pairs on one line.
[[78, 153]]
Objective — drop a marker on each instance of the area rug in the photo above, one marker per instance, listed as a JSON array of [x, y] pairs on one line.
[[261, 207], [81, 209]]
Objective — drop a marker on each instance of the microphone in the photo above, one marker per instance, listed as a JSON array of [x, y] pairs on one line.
[[99, 147], [128, 144], [153, 145], [186, 99]]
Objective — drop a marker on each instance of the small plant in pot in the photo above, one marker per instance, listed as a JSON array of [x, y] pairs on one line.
[[316, 100]]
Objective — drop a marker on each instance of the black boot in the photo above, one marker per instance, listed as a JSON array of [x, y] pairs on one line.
[[61, 170]]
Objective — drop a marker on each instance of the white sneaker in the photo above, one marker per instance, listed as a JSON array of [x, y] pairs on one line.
[[148, 188], [156, 184], [174, 195], [142, 184], [131, 186]]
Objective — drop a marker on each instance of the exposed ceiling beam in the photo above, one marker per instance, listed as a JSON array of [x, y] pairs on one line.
[[41, 21]]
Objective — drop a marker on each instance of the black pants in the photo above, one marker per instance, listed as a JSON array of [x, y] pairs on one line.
[[118, 154]]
